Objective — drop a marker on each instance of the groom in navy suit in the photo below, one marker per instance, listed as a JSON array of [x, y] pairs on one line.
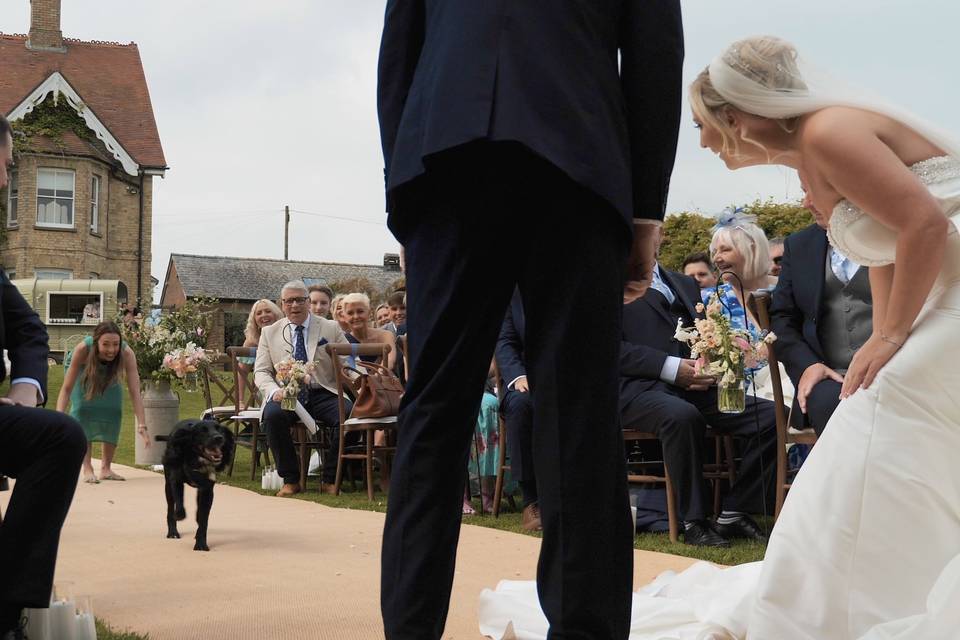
[[526, 144], [821, 312]]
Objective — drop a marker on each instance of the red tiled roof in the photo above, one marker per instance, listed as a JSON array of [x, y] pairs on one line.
[[109, 78]]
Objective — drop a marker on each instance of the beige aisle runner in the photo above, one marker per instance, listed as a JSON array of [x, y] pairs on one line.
[[278, 568]]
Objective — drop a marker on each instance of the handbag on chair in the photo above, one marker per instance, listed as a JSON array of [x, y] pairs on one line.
[[378, 391]]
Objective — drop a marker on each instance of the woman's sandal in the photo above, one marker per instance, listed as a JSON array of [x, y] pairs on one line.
[[90, 479], [111, 476], [468, 509]]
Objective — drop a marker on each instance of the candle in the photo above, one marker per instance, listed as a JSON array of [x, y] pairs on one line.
[[62, 623], [86, 628], [38, 624]]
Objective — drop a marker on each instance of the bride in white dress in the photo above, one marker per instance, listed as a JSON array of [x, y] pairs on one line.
[[868, 544]]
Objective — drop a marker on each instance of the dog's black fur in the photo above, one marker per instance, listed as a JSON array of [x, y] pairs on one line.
[[196, 451]]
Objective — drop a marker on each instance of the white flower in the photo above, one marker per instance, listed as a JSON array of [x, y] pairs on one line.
[[684, 335]]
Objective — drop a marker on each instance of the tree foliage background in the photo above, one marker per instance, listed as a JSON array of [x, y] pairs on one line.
[[689, 231]]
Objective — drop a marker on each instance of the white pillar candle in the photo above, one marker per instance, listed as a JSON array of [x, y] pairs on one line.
[[86, 628], [38, 624], [263, 480], [62, 623]]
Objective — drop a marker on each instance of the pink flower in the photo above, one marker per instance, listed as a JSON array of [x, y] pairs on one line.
[[742, 344]]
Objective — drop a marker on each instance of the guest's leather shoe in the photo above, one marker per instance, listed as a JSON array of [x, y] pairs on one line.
[[288, 490], [701, 534], [743, 527], [328, 488], [530, 518]]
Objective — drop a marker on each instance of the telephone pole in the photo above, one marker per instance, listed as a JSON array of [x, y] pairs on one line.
[[286, 232]]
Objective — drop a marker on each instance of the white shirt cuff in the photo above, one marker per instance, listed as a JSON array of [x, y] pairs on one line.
[[34, 383], [514, 381], [658, 223], [670, 368]]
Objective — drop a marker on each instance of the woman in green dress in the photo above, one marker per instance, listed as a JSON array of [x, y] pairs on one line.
[[97, 401]]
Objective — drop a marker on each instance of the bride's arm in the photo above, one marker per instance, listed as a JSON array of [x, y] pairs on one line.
[[863, 169], [881, 281]]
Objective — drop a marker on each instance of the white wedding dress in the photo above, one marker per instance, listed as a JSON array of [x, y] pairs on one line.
[[868, 544]]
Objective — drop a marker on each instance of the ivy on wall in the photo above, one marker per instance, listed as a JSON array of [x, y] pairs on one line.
[[49, 119]]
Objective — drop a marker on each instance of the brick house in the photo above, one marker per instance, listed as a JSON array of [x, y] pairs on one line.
[[80, 202], [236, 283]]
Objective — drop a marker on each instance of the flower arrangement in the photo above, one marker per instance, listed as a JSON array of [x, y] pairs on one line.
[[291, 375], [185, 362], [723, 352], [153, 340]]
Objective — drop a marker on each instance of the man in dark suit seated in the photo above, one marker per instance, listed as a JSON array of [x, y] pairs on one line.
[[821, 312], [42, 449], [661, 393], [517, 409]]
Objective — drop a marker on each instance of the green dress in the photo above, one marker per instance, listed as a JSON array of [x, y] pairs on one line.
[[99, 416]]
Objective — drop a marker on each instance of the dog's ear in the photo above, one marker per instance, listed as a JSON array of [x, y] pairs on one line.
[[228, 448], [179, 443]]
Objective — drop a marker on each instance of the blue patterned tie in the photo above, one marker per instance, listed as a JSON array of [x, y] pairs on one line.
[[838, 264], [300, 353]]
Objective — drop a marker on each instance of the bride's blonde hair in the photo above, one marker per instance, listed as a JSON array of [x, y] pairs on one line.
[[767, 60]]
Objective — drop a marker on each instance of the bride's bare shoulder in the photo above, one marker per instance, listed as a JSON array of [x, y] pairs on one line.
[[830, 124]]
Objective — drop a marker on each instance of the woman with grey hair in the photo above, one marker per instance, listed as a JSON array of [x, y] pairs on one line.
[[741, 253]]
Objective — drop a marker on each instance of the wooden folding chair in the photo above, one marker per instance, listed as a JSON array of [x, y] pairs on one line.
[[642, 476], [243, 416], [218, 390], [759, 304], [365, 426]]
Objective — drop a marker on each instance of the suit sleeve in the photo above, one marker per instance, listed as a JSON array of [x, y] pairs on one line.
[[263, 369], [640, 361], [400, 45], [509, 350], [651, 67], [786, 321], [24, 336]]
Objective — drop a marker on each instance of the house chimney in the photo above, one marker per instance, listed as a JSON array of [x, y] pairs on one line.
[[45, 34]]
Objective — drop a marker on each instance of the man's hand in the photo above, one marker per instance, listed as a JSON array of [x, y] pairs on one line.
[[643, 255], [23, 394], [812, 375], [278, 395], [688, 378], [521, 385]]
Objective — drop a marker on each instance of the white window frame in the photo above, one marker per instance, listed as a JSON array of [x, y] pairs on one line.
[[13, 201], [52, 273], [51, 321], [73, 199], [95, 203]]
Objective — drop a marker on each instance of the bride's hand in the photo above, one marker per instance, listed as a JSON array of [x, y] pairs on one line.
[[866, 363]]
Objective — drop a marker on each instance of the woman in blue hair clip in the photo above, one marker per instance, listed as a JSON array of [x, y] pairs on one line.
[[741, 254]]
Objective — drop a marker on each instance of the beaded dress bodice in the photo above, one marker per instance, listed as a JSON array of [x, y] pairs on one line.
[[866, 241]]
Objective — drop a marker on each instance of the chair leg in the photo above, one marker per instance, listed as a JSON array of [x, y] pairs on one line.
[[501, 463], [672, 520], [304, 457], [255, 451], [340, 462], [368, 461], [717, 456]]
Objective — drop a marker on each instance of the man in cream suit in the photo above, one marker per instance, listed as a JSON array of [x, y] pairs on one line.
[[301, 335]]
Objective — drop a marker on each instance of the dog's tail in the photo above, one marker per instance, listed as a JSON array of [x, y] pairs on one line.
[[162, 438]]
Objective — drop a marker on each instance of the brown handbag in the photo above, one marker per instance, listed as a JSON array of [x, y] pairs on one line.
[[377, 389]]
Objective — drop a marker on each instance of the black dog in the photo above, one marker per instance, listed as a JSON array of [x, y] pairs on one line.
[[196, 451]]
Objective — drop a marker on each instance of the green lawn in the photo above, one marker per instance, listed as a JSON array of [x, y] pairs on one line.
[[192, 404]]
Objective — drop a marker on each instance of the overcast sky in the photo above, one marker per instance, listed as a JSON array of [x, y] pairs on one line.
[[266, 104]]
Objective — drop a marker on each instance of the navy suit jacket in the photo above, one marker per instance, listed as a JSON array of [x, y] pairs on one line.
[[22, 335], [544, 74], [509, 351], [648, 335]]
